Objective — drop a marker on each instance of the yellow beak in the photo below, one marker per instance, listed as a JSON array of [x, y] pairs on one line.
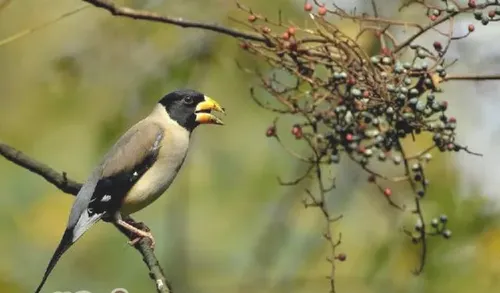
[[203, 109]]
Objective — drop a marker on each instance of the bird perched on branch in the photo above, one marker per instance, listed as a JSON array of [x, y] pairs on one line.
[[139, 167]]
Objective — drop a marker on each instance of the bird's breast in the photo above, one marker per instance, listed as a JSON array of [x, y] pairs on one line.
[[158, 178]]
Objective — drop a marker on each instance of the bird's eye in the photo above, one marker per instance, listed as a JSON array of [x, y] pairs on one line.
[[188, 100]]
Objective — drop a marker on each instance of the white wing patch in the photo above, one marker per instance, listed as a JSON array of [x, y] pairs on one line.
[[106, 198]]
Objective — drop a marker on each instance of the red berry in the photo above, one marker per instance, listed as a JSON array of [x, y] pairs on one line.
[[351, 80], [452, 120], [291, 31], [271, 131], [491, 13], [438, 46], [349, 137], [366, 94], [322, 10], [285, 36], [433, 17], [341, 257], [266, 30], [387, 192], [308, 7], [252, 18], [471, 28], [297, 131], [244, 45], [472, 3]]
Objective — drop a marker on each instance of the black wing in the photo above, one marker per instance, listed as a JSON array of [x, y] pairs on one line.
[[123, 169]]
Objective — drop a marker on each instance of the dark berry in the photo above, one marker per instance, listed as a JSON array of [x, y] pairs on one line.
[[271, 131], [438, 46]]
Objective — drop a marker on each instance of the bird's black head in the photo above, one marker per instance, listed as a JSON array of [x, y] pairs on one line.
[[190, 108]]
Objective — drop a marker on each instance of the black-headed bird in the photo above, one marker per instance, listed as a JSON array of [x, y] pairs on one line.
[[138, 168]]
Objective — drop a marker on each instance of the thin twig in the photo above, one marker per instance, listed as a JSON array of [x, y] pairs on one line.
[[26, 32], [128, 12], [472, 77]]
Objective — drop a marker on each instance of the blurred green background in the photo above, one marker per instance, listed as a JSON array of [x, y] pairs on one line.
[[69, 90]]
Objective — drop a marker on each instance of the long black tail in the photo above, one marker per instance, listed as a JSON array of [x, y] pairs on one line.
[[70, 236], [65, 244]]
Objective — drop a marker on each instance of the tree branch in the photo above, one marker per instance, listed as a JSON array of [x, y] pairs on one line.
[[128, 12], [69, 186], [472, 77]]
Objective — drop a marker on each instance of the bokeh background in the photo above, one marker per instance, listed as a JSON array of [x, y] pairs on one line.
[[67, 91]]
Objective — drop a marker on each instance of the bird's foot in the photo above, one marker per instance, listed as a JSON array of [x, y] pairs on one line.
[[138, 232], [141, 235]]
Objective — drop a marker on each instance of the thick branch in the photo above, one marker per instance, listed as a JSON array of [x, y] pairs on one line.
[[72, 187], [151, 16]]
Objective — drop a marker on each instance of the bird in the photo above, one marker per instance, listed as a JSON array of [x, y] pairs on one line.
[[138, 168]]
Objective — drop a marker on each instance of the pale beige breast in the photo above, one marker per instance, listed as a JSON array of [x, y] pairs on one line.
[[159, 177]]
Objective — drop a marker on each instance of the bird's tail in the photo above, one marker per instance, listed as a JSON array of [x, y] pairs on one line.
[[70, 236], [65, 243]]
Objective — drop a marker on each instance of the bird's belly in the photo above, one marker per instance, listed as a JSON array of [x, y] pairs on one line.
[[150, 187]]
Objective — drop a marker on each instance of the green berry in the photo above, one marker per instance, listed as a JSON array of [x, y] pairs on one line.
[[420, 106], [478, 14]]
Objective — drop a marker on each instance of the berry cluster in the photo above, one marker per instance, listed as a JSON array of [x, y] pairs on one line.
[[364, 107]]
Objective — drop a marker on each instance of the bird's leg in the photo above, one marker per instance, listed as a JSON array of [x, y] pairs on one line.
[[136, 231]]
